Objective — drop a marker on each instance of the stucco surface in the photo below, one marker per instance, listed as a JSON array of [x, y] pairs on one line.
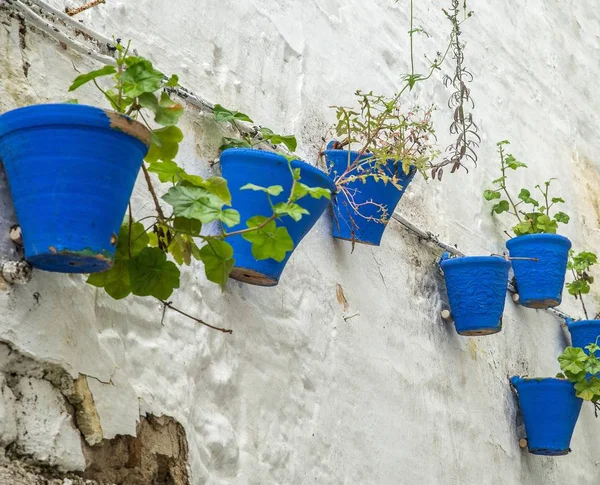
[[307, 389]]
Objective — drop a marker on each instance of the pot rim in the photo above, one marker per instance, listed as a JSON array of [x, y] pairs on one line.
[[536, 237], [268, 157], [465, 260], [116, 121]]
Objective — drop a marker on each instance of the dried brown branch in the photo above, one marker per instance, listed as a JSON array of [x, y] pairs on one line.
[[83, 8]]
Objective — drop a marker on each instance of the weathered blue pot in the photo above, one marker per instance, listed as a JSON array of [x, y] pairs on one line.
[[584, 332], [243, 166], [550, 410], [540, 283], [476, 288], [346, 223], [71, 170]]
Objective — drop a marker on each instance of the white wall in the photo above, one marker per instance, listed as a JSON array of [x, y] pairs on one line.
[[297, 394]]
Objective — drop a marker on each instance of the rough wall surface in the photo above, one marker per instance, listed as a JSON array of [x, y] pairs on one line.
[[369, 389]]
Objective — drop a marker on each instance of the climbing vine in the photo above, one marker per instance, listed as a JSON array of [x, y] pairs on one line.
[[142, 265]]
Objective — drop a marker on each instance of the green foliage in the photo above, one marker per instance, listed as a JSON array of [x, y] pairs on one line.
[[583, 369], [147, 258], [534, 216], [579, 265]]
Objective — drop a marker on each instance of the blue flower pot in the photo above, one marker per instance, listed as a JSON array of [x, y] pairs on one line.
[[550, 410], [476, 288], [349, 225], [540, 283], [71, 170], [243, 166], [584, 332]]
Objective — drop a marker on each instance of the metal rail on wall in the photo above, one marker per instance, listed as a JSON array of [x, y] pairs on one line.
[[100, 48]]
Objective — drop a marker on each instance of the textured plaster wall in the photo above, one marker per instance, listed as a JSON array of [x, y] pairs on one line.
[[299, 394]]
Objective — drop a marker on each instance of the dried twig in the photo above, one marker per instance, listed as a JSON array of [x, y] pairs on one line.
[[75, 11], [168, 304]]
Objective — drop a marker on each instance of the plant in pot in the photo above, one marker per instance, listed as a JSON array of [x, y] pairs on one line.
[[259, 180], [583, 332], [380, 145], [476, 287], [539, 254], [142, 126]]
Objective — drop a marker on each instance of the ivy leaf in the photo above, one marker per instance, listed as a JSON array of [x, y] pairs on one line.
[[87, 77], [166, 171], [141, 78], [293, 210], [525, 196], [195, 203], [562, 217], [217, 256], [269, 241], [230, 217], [218, 186], [588, 390], [150, 274], [500, 207], [234, 143], [184, 225], [224, 115], [491, 195], [301, 190], [572, 360], [167, 112], [165, 144], [115, 281], [272, 190]]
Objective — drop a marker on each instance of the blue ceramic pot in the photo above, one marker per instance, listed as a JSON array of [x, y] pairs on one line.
[[243, 166], [540, 283], [550, 410], [584, 332], [71, 170], [476, 288], [346, 223]]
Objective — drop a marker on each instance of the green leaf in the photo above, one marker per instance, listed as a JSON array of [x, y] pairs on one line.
[[173, 81], [166, 171], [184, 225], [557, 200], [234, 143], [500, 207], [588, 389], [115, 281], [199, 203], [523, 228], [217, 256], [491, 195], [181, 249], [165, 144], [223, 115], [150, 274], [512, 162], [141, 78], [293, 210], [269, 241], [218, 186], [87, 77], [525, 196], [572, 360], [562, 217], [272, 190], [230, 217], [288, 140], [301, 190], [167, 112]]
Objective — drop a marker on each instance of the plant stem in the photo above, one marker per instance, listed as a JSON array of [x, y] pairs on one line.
[[130, 224], [412, 60], [161, 215], [504, 184], [169, 305]]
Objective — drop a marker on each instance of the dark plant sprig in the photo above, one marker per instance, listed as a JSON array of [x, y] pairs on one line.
[[579, 264], [537, 218], [141, 265], [583, 369], [463, 126]]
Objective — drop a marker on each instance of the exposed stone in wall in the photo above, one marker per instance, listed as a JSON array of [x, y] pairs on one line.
[[157, 455]]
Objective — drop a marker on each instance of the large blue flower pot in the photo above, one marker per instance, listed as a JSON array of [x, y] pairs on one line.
[[369, 196], [540, 283], [71, 170], [243, 166], [550, 410], [476, 288], [584, 332]]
